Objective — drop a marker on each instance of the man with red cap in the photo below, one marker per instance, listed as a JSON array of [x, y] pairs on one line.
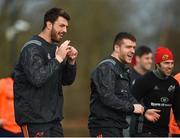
[[160, 92]]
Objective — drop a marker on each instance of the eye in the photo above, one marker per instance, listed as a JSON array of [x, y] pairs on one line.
[[128, 46], [62, 25]]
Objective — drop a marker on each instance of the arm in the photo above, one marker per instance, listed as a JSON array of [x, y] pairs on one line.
[[35, 68], [68, 74], [176, 105], [132, 99], [1, 103], [131, 79], [69, 70], [104, 80]]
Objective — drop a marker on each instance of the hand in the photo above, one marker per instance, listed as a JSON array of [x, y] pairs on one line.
[[138, 109], [152, 115], [62, 51], [72, 55]]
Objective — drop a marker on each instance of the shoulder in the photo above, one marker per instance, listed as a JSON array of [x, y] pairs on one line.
[[105, 66], [173, 80], [5, 81], [32, 44], [149, 76], [146, 80], [177, 77], [107, 63], [134, 74], [2, 82]]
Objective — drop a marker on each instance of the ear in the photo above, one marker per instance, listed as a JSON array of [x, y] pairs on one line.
[[49, 25], [116, 47]]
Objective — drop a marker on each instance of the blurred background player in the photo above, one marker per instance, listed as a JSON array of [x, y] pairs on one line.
[[174, 130], [8, 126], [142, 63]]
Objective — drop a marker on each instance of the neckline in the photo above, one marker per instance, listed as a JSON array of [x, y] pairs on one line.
[[43, 40]]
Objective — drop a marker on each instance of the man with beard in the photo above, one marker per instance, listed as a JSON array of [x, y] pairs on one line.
[[142, 63], [159, 91], [110, 99], [44, 66]]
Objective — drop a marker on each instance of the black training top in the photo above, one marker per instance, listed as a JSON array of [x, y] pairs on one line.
[[159, 94], [134, 75], [38, 80], [110, 99]]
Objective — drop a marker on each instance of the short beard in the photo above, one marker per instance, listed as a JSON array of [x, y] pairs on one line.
[[53, 36]]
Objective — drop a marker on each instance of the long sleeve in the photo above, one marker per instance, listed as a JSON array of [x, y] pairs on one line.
[[176, 105], [104, 80], [69, 74], [1, 99], [132, 99]]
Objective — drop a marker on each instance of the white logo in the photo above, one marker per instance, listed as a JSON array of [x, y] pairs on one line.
[[164, 99], [49, 57], [124, 91], [156, 87], [121, 75], [171, 88], [133, 82]]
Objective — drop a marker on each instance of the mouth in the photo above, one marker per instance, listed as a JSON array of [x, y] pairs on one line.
[[60, 35], [130, 56], [169, 71]]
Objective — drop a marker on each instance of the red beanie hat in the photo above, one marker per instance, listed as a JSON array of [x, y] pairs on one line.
[[163, 54]]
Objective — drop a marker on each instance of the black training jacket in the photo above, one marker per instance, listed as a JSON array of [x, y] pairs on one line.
[[161, 94], [38, 80], [110, 99]]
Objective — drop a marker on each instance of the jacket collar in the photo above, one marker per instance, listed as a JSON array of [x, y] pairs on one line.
[[122, 65], [160, 75]]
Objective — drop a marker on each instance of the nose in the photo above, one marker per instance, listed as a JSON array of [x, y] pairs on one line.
[[171, 65], [150, 61], [65, 29], [133, 50]]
